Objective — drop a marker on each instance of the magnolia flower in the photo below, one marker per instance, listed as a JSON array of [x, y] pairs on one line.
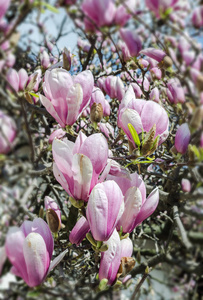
[[137, 206], [132, 40], [29, 249], [16, 79], [79, 231], [175, 91], [143, 115], [182, 138], [7, 133], [66, 96], [101, 12], [76, 166], [110, 259], [98, 97], [104, 209]]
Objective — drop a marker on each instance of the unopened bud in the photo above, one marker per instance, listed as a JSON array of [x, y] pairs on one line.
[[199, 82], [28, 98], [53, 220], [32, 82], [66, 59], [197, 118], [167, 62], [148, 141], [96, 113]]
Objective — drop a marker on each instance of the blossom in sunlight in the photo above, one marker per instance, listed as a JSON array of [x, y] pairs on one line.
[[66, 96], [29, 249], [77, 166], [138, 207], [104, 209]]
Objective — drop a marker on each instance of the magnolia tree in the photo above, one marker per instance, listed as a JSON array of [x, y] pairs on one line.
[[101, 150]]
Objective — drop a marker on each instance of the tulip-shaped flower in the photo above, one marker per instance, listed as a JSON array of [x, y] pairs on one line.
[[182, 138], [16, 79], [110, 259], [143, 115], [79, 231], [29, 249], [114, 87], [66, 96], [53, 214], [7, 133], [197, 16], [101, 12], [132, 40], [78, 165], [175, 91], [137, 206], [104, 209]]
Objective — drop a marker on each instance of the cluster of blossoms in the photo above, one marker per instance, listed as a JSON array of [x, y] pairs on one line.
[[111, 202]]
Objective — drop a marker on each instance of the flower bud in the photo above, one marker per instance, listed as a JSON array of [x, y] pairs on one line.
[[66, 59], [186, 185], [79, 231], [182, 138], [199, 83], [167, 62], [53, 214], [96, 112]]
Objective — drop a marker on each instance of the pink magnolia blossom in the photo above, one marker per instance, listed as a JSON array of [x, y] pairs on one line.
[[137, 206], [156, 54], [110, 259], [77, 167], [126, 247], [44, 59], [154, 95], [98, 97], [197, 16], [142, 115], [66, 96], [182, 138], [160, 6], [8, 132], [79, 231], [29, 249], [114, 87], [101, 12], [104, 209], [57, 134], [4, 5], [186, 185], [132, 40], [175, 91]]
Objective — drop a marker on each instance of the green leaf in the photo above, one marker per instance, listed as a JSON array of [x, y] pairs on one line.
[[34, 95], [134, 134], [33, 294], [50, 7]]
